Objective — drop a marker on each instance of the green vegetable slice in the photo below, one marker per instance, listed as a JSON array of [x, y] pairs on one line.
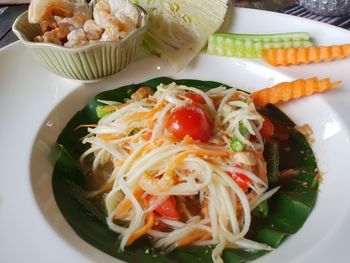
[[287, 210], [103, 110], [272, 158], [280, 37], [262, 210], [243, 130], [251, 46], [271, 237], [236, 145]]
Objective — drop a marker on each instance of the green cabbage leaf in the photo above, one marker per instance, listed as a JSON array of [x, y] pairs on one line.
[[179, 29]]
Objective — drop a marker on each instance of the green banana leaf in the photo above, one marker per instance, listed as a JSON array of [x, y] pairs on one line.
[[287, 209]]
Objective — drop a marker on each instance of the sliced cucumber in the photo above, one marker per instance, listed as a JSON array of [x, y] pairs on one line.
[[219, 44], [292, 36]]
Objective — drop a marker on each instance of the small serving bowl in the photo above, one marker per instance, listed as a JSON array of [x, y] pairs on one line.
[[88, 62]]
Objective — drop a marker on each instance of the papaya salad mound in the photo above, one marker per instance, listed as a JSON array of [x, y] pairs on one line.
[[183, 171]]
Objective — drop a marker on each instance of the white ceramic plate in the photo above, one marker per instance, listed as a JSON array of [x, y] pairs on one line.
[[35, 105]]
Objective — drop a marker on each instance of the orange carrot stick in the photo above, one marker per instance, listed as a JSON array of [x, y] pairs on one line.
[[146, 115], [86, 126], [143, 230], [296, 56], [156, 109], [125, 205], [207, 236], [205, 152], [191, 238], [108, 136], [137, 116], [286, 91]]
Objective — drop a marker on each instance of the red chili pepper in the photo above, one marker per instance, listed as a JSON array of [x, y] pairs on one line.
[[242, 180], [267, 129], [148, 135]]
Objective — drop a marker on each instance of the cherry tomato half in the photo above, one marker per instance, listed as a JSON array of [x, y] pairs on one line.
[[195, 97], [167, 209], [189, 120]]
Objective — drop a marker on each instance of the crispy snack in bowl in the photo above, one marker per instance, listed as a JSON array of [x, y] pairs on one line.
[[83, 57]]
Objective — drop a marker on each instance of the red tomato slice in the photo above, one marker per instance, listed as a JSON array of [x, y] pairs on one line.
[[195, 97], [167, 208], [242, 180], [189, 120], [267, 129]]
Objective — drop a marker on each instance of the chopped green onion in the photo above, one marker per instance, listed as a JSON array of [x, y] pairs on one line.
[[243, 130], [262, 209], [135, 131], [251, 46], [103, 110], [236, 145]]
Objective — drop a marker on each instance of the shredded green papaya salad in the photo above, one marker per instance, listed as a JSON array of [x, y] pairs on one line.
[[181, 165], [183, 171]]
